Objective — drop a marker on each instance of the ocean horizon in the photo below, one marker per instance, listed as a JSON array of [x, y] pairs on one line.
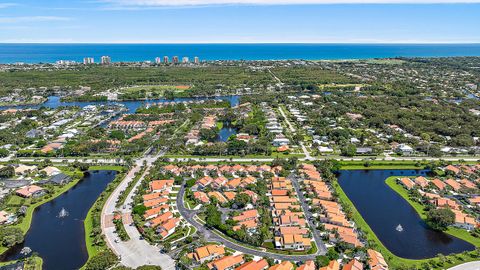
[[50, 53]]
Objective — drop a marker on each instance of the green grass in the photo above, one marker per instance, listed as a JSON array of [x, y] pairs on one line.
[[394, 261], [106, 168], [34, 263]]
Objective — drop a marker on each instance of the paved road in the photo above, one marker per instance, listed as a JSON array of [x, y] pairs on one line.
[[117, 161], [134, 252], [202, 159], [189, 216], [467, 266], [322, 249]]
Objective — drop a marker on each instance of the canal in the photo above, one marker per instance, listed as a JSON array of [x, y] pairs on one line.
[[383, 209], [60, 239], [132, 106]]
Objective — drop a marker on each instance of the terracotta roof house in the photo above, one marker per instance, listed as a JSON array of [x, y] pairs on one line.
[[445, 202], [207, 253], [308, 265], [453, 184], [438, 184], [201, 196], [332, 265], [254, 265], [226, 263], [468, 184], [421, 181], [30, 191], [160, 185], [453, 169], [376, 260], [353, 265], [285, 265], [474, 200], [406, 182]]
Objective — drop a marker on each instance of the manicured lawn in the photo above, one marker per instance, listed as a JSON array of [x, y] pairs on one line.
[[105, 168], [34, 264]]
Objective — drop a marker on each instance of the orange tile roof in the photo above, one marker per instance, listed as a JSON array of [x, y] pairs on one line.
[[226, 262], [438, 183], [407, 182], [285, 265], [353, 265], [155, 211], [160, 184], [246, 215], [453, 184], [308, 265], [376, 260], [332, 265], [254, 265], [207, 251], [155, 202]]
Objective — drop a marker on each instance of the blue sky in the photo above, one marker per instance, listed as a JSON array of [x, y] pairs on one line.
[[239, 21]]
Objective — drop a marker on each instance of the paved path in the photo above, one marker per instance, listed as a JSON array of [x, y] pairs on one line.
[[209, 235], [322, 249], [134, 252], [467, 266]]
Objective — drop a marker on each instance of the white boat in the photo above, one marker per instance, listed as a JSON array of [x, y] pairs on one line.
[[399, 228]]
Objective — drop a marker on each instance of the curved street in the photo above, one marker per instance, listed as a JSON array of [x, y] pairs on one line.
[[190, 216]]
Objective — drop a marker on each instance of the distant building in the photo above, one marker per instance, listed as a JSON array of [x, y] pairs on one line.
[[106, 60], [185, 60], [166, 60], [196, 60], [175, 60], [88, 61], [158, 60]]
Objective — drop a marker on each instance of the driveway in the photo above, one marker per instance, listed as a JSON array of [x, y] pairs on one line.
[[322, 249], [467, 266]]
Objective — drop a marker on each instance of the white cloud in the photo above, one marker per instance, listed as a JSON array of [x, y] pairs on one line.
[[28, 19], [7, 5], [170, 3]]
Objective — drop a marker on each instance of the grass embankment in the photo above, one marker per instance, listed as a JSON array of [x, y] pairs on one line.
[[394, 261], [32, 263], [117, 168], [419, 208], [382, 165], [93, 219]]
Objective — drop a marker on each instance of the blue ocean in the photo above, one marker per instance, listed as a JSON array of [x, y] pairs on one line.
[[49, 53]]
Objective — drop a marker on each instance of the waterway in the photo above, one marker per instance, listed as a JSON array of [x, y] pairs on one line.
[[132, 106], [383, 209], [60, 241]]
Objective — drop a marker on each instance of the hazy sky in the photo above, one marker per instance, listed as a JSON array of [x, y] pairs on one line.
[[200, 21]]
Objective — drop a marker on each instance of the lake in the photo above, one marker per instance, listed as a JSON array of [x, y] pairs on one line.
[[60, 241], [383, 209]]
